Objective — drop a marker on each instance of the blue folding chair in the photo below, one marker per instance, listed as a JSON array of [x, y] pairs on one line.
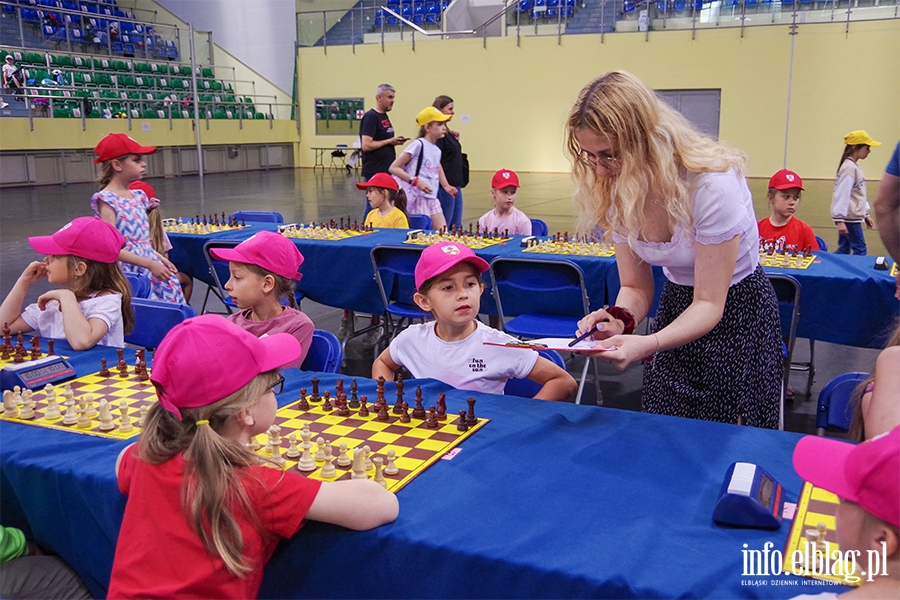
[[419, 222], [395, 275], [258, 216], [823, 246], [545, 298], [153, 319], [325, 353], [527, 388], [788, 292], [539, 227], [218, 269], [835, 411], [140, 285]]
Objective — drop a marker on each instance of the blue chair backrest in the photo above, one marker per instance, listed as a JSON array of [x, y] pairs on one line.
[[535, 286], [153, 319], [823, 246], [527, 388], [259, 216], [419, 222], [834, 412], [538, 227], [788, 291], [325, 353], [140, 285], [395, 269]]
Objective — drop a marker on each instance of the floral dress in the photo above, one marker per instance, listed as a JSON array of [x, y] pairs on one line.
[[132, 222]]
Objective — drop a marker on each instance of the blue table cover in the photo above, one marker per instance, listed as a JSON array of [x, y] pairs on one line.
[[548, 500]]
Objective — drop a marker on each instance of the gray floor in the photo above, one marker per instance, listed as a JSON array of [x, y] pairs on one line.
[[304, 195]]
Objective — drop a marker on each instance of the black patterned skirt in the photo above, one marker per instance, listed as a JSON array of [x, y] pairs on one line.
[[733, 371]]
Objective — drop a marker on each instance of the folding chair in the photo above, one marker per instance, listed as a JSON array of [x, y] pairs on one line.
[[834, 411], [788, 291], [258, 216], [140, 285], [153, 319], [545, 298], [527, 388], [539, 227], [218, 269], [395, 275], [419, 222], [325, 354]]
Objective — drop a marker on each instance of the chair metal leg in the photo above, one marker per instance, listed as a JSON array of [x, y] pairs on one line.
[[597, 390], [582, 381], [812, 366]]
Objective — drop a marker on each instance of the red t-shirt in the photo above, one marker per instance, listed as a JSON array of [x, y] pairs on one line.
[[158, 555], [794, 232]]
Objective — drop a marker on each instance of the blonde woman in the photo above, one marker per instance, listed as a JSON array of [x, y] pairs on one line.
[[667, 195]]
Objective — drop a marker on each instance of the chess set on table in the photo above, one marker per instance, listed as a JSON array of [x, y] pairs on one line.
[[472, 238], [330, 438], [204, 226], [333, 230], [813, 526], [18, 354], [561, 244], [772, 254], [109, 403]]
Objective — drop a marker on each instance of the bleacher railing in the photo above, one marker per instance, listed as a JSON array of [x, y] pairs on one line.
[[405, 20]]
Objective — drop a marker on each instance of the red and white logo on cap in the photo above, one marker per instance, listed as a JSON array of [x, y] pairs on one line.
[[505, 174], [789, 176], [450, 249]]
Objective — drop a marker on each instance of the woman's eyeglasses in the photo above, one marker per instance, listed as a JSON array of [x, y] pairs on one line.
[[604, 160], [278, 386]]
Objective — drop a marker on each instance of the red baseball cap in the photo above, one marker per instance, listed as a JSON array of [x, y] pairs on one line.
[[85, 237], [381, 180], [504, 178], [115, 145], [144, 187], [867, 474], [784, 180], [206, 358], [442, 256], [267, 249]]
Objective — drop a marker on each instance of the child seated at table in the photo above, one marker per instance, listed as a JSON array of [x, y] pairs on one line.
[[387, 200], [866, 478], [788, 231], [93, 304], [505, 217], [263, 270], [451, 348], [204, 514]]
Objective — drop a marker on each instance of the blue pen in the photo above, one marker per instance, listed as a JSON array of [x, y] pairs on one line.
[[587, 334]]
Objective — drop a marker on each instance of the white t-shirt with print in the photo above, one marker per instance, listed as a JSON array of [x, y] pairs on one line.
[[431, 164], [48, 323]]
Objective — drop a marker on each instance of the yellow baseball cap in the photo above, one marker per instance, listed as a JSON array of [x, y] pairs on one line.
[[430, 114], [859, 136]]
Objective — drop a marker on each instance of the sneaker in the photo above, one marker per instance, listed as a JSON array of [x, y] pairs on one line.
[[3, 105], [372, 337], [344, 331]]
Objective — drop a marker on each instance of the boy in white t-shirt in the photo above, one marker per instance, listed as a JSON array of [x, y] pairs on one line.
[[505, 217], [451, 348]]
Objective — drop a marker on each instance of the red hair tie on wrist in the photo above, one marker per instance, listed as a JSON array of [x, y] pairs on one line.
[[624, 315]]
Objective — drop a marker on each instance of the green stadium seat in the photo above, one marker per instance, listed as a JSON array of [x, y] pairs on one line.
[[65, 61], [219, 114], [164, 83], [102, 64], [126, 81], [104, 79], [143, 82], [216, 86], [149, 113], [140, 67], [119, 65], [52, 61], [159, 68], [33, 58], [259, 116], [40, 75], [208, 73], [80, 62]]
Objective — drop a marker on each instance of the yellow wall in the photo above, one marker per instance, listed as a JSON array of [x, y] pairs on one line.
[[518, 97]]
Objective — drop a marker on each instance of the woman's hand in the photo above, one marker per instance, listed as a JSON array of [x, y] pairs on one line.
[[607, 326], [628, 349], [451, 190], [35, 271]]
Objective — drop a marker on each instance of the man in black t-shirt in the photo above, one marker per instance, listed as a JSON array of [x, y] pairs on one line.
[[377, 134]]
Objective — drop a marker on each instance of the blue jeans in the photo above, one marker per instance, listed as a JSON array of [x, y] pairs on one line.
[[451, 207], [854, 241]]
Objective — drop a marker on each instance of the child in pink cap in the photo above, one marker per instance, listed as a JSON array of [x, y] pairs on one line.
[[204, 514], [866, 478], [263, 270], [505, 217], [451, 348], [93, 304]]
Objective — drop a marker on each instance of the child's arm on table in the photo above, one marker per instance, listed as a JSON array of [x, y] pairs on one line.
[[384, 366], [81, 333], [558, 384], [358, 504], [11, 309]]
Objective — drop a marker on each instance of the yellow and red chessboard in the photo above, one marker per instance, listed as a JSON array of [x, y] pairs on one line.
[[784, 260], [113, 389], [467, 239], [5, 362], [415, 445], [315, 231], [814, 508], [893, 271], [193, 227], [572, 248]]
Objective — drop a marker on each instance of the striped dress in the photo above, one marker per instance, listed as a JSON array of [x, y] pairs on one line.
[[132, 222]]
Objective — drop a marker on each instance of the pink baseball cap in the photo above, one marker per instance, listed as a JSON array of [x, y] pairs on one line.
[[85, 237], [442, 256], [115, 145], [267, 249], [206, 358], [504, 178], [785, 180], [381, 180], [867, 474]]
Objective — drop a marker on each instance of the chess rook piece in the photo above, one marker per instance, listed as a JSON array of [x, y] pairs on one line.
[[315, 390], [461, 423], [379, 477], [470, 417]]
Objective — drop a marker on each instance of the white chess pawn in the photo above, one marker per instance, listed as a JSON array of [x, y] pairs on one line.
[[92, 410], [328, 471], [52, 411], [379, 478], [71, 416], [320, 452], [143, 417], [83, 421], [27, 405], [367, 460], [292, 451], [126, 425], [343, 460], [391, 468], [17, 395]]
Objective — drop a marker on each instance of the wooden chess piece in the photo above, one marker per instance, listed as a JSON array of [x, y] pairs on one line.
[[354, 400], [418, 410], [315, 397], [404, 413], [379, 389], [432, 421], [126, 418], [343, 409], [382, 412], [379, 476], [470, 417], [391, 468], [461, 423], [106, 418], [304, 402], [104, 371], [363, 409], [442, 407], [326, 405], [359, 469]]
